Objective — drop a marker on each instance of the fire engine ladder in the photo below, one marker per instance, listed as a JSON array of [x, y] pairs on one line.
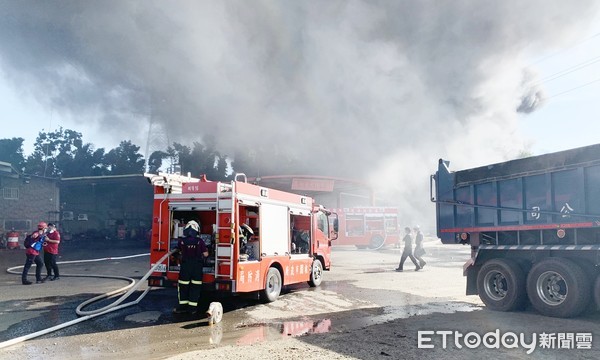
[[225, 252]]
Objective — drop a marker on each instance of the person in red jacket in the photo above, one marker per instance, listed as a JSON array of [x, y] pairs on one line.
[[32, 254], [51, 253]]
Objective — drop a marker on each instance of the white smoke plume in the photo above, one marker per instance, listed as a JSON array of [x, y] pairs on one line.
[[374, 90]]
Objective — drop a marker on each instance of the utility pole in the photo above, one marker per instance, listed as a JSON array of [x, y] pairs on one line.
[[158, 135]]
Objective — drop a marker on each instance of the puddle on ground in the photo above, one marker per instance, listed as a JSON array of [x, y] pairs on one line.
[[264, 331], [258, 332], [391, 313], [144, 317]]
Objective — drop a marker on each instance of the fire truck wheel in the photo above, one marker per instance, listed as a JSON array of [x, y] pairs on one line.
[[377, 242], [316, 274], [558, 287], [501, 285], [272, 286]]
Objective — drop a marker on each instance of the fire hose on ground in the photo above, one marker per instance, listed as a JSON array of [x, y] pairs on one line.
[[86, 315]]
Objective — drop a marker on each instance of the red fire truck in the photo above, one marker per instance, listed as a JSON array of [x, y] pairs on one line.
[[368, 227], [259, 239]]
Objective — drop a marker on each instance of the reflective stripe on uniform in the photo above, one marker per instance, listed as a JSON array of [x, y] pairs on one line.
[[184, 282], [185, 302], [192, 304], [197, 282]]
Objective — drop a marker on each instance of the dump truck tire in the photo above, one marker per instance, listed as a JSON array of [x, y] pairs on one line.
[[501, 285], [597, 293], [558, 287]]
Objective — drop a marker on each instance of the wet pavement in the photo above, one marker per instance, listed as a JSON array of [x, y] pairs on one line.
[[361, 291]]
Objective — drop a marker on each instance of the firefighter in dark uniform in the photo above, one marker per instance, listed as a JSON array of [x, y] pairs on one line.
[[192, 252]]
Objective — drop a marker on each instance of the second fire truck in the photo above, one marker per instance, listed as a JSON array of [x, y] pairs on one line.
[[259, 239], [369, 227]]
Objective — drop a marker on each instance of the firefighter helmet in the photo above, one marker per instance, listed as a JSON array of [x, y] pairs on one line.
[[42, 225], [246, 228], [192, 224], [191, 229]]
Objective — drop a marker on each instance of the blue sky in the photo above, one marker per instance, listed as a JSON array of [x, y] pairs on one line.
[[571, 80], [33, 117]]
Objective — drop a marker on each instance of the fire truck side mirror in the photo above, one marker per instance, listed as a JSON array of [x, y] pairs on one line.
[[333, 235], [335, 225]]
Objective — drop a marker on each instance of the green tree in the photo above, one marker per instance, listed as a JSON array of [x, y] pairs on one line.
[[200, 160], [124, 159], [155, 161], [48, 147], [61, 153], [266, 160], [85, 162], [524, 153], [11, 151], [222, 168]]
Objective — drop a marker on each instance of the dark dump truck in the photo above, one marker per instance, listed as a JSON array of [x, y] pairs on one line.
[[533, 225]]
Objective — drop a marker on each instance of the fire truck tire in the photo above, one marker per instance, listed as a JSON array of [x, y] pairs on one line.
[[272, 286], [501, 285], [558, 287], [377, 242], [316, 274]]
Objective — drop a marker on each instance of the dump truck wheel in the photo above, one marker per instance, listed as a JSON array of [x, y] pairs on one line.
[[501, 285], [316, 273], [597, 292], [272, 286], [376, 242], [558, 287]]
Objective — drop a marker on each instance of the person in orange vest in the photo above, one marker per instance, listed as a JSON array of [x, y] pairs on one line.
[[192, 250], [51, 253], [33, 246]]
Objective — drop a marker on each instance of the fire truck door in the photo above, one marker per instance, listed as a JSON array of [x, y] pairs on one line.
[[274, 229]]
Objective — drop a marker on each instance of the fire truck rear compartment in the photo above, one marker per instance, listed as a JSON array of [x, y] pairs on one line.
[[250, 231]]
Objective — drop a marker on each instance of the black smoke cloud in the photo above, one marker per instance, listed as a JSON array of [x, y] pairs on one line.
[[369, 89]]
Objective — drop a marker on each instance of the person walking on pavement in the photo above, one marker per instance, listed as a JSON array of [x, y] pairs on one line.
[[192, 250], [51, 253], [33, 245], [407, 252], [419, 250]]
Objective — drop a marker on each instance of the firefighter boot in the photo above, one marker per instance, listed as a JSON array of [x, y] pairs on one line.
[[194, 310]]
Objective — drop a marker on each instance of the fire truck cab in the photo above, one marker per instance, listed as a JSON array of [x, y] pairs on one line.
[[259, 239]]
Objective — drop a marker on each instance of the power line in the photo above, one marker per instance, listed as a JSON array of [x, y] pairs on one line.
[[573, 89], [569, 70], [565, 49]]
